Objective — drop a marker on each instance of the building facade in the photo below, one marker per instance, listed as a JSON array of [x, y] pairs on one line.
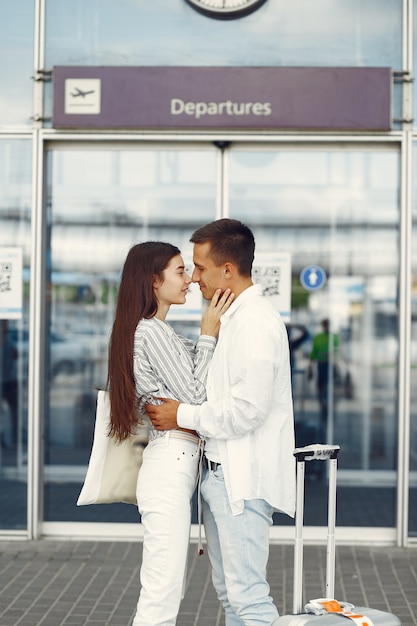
[[129, 121]]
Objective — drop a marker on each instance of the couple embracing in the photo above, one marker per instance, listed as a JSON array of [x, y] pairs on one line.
[[226, 397]]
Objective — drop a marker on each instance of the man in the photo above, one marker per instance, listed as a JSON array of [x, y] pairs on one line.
[[325, 351], [247, 422]]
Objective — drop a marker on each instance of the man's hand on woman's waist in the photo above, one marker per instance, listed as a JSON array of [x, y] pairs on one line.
[[163, 416]]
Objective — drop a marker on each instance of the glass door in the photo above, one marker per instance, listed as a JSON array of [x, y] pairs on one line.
[[335, 212], [101, 202], [332, 210]]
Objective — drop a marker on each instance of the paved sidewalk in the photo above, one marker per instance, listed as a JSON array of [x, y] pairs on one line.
[[64, 583]]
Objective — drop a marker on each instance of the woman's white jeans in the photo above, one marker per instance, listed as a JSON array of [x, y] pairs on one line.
[[166, 483]]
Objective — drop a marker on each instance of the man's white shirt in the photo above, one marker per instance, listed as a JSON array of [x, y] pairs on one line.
[[249, 410]]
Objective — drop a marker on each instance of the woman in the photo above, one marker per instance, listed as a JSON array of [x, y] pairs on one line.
[[147, 359]]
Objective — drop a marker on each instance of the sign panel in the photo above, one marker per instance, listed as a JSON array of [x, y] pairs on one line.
[[273, 272], [313, 277], [313, 98], [11, 283], [82, 96]]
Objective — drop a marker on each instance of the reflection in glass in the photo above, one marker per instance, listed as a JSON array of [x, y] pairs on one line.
[[15, 200], [162, 32], [338, 210], [100, 204], [16, 52]]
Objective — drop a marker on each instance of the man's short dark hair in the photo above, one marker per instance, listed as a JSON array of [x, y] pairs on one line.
[[230, 241]]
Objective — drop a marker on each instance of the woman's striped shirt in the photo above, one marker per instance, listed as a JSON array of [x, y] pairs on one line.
[[168, 365]]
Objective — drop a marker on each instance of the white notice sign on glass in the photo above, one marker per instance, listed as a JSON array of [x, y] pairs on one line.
[[11, 283], [273, 271]]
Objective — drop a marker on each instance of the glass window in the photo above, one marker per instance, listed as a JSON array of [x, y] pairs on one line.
[[171, 32], [15, 214], [336, 210], [16, 52], [100, 203]]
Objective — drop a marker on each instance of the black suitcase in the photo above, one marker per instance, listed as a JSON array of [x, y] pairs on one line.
[[326, 611]]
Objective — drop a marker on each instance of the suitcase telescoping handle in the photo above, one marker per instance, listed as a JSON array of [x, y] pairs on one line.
[[318, 452]]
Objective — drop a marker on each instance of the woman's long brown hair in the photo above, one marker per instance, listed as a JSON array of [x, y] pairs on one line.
[[136, 300]]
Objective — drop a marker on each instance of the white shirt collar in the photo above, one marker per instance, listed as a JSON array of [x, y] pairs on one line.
[[249, 292]]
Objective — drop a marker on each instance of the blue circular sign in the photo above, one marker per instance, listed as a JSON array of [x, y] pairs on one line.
[[313, 277]]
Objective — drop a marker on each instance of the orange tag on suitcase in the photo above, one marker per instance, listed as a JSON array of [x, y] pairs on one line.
[[332, 606]]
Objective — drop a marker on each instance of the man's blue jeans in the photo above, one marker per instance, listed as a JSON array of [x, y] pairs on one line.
[[238, 548]]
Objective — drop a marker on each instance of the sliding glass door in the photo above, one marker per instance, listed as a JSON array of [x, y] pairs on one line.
[[333, 210]]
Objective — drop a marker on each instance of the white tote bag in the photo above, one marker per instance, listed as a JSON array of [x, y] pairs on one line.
[[113, 468]]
